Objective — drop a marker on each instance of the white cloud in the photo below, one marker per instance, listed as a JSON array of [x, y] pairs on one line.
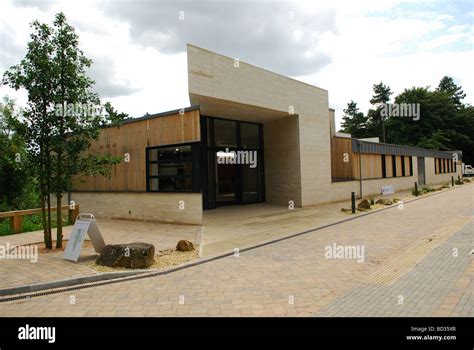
[[357, 44]]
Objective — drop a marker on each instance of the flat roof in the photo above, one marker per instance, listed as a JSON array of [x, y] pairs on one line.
[[359, 146], [159, 115]]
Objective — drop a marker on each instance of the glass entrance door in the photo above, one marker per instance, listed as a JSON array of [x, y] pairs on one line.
[[226, 184], [233, 170]]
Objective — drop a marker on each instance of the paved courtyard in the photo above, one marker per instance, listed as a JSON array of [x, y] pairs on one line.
[[408, 254], [224, 229], [51, 266]]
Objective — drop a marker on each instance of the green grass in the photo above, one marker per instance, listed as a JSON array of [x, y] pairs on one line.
[[30, 223], [428, 189]]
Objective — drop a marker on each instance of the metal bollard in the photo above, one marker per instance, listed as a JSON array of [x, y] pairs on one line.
[[353, 200]]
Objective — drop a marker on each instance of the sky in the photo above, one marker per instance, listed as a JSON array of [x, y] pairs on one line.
[[139, 47]]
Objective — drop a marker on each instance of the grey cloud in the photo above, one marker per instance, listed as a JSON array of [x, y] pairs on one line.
[[259, 33], [40, 4], [10, 53], [102, 71]]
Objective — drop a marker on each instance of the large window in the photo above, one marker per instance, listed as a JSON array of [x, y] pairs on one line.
[[172, 168]]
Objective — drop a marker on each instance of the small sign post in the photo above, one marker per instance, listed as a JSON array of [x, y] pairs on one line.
[[85, 224], [387, 190]]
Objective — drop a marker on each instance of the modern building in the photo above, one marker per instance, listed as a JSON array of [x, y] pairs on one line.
[[182, 162]]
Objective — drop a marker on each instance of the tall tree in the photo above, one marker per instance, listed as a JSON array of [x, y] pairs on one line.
[[455, 92], [376, 123], [354, 122], [445, 123]]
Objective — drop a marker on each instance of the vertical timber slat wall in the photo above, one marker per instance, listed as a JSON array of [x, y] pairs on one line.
[[341, 170], [395, 165], [132, 139]]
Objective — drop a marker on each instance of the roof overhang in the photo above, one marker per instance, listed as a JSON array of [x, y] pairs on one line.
[[214, 107]]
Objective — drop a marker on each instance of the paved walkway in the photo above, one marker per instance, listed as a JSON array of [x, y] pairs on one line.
[[440, 285], [51, 266], [293, 277], [224, 229], [233, 227]]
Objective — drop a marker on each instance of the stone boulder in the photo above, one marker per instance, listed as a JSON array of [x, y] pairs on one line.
[[363, 205], [184, 246], [384, 201], [133, 255]]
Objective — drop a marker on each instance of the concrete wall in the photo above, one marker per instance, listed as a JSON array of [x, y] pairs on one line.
[[332, 122], [282, 161], [159, 207], [213, 76], [432, 178], [339, 191], [342, 190], [315, 143]]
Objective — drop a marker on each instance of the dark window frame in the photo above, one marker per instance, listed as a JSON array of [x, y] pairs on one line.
[[394, 165], [208, 146], [194, 159], [384, 167]]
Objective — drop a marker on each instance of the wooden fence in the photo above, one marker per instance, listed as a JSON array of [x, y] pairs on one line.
[[16, 216]]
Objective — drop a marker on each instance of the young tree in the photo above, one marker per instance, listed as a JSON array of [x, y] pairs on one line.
[[34, 74], [54, 74], [73, 127]]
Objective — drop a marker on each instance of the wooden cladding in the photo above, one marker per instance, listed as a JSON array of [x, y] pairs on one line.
[[342, 159], [132, 139], [444, 165], [345, 165], [371, 166]]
